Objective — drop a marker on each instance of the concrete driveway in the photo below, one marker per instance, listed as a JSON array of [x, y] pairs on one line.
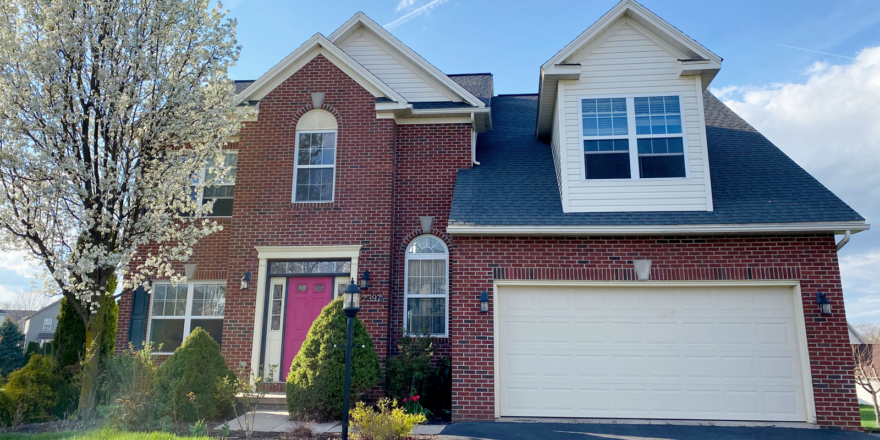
[[572, 431]]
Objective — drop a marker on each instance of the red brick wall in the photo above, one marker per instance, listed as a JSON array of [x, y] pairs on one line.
[[812, 259], [427, 161]]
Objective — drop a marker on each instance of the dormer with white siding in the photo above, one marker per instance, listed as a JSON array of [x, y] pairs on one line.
[[622, 108]]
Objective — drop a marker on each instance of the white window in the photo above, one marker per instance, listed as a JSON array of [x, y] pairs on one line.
[[222, 191], [176, 310], [277, 303], [636, 137], [426, 290], [315, 168], [47, 324]]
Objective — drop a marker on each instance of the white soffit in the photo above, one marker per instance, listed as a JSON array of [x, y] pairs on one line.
[[362, 21], [317, 45]]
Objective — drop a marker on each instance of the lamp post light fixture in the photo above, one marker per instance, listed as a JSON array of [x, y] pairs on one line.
[[245, 280], [351, 305], [823, 303], [484, 302]]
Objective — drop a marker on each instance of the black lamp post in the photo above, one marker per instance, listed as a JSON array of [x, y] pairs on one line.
[[351, 305]]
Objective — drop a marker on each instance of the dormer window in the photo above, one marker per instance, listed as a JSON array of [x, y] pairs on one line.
[[634, 137]]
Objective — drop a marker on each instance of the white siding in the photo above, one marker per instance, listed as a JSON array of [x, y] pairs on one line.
[[631, 60], [557, 155], [391, 70]]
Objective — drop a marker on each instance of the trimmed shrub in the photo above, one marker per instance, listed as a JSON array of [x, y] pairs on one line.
[[317, 373], [11, 347], [37, 389], [195, 367]]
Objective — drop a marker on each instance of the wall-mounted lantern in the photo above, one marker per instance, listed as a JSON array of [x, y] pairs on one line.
[[246, 280], [484, 302], [823, 303], [365, 280]]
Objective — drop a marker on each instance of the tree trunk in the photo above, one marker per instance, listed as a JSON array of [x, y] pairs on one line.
[[91, 360], [876, 409]]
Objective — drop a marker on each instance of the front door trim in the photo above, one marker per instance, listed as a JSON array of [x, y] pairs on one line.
[[795, 286], [267, 253]]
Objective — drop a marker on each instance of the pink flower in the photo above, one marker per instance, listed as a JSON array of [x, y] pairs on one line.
[[404, 400], [416, 398]]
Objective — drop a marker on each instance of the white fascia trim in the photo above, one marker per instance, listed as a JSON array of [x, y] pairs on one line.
[[367, 22], [255, 91], [307, 252], [836, 227], [636, 9], [675, 283], [451, 111], [438, 120]]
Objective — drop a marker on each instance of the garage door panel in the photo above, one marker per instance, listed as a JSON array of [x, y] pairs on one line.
[[651, 356]]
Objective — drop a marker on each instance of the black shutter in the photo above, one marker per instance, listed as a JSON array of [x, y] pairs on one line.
[[137, 325]]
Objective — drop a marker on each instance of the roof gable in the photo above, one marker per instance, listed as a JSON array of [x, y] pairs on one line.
[[317, 45], [644, 17], [370, 44]]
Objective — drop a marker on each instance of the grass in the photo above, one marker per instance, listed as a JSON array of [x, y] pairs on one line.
[[98, 435], [866, 411]]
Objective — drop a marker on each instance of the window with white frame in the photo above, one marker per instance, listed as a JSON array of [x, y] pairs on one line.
[[277, 302], [315, 168], [47, 324], [633, 137], [176, 310], [222, 190], [426, 290]]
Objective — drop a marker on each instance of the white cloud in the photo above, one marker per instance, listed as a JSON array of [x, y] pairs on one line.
[[422, 10], [404, 4], [15, 261], [829, 125]]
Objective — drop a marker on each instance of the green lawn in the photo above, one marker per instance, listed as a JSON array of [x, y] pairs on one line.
[[97, 435], [868, 419]]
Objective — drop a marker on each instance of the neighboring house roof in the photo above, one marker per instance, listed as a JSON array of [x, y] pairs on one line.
[[753, 182], [50, 305], [18, 315], [480, 85], [242, 84]]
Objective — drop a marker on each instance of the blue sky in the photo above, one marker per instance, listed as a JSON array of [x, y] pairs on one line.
[[820, 108]]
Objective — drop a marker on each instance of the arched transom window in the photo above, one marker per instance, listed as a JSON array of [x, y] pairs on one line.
[[315, 169], [426, 291]]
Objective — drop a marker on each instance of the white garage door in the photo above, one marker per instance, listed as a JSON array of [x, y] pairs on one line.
[[649, 352]]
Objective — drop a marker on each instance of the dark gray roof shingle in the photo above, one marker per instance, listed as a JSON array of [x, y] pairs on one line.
[[480, 85], [752, 180], [241, 85]]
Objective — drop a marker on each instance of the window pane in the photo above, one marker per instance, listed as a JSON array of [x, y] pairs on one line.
[[427, 245], [658, 125], [673, 124], [277, 291], [212, 302], [645, 146], [222, 208], [590, 127], [168, 333], [641, 106], [276, 323], [214, 327], [643, 125], [276, 307], [662, 166], [604, 117], [675, 145], [607, 166], [426, 315], [591, 146]]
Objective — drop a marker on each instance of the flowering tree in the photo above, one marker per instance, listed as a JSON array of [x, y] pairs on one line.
[[109, 112]]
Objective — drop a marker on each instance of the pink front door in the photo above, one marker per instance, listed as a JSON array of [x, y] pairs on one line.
[[305, 299]]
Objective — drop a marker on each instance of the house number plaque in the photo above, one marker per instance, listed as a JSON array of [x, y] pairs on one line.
[[372, 298]]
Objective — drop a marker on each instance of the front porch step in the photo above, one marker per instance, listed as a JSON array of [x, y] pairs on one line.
[[273, 399]]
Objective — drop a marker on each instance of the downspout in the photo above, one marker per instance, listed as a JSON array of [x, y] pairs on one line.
[[474, 141], [844, 240]]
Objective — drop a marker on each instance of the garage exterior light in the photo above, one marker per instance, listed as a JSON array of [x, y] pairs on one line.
[[643, 269], [824, 303], [484, 302]]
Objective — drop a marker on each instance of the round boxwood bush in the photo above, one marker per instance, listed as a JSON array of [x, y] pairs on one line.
[[38, 389], [195, 367], [317, 373]]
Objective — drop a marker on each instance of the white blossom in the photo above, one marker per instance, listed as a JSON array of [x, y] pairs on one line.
[[109, 111]]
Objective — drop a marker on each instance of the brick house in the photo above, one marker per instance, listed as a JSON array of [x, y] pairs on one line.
[[645, 252]]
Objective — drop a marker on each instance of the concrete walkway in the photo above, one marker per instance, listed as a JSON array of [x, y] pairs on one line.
[[278, 420]]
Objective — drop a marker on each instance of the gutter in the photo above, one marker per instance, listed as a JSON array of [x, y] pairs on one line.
[[756, 228]]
